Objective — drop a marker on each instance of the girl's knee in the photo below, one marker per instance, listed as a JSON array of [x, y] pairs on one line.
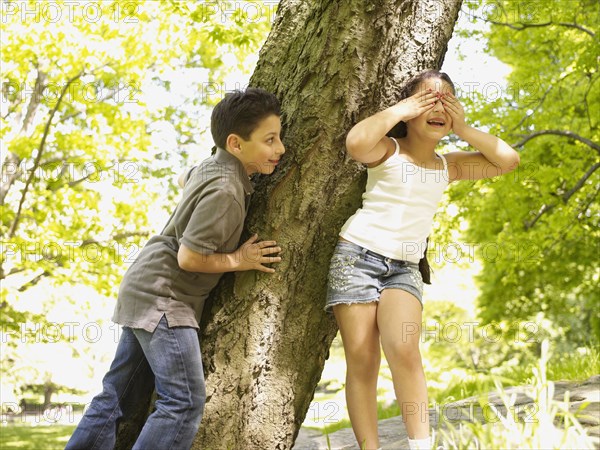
[[406, 354], [363, 364], [363, 355]]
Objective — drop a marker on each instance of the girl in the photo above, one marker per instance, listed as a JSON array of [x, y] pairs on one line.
[[375, 285]]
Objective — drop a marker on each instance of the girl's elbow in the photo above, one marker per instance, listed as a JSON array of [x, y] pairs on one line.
[[355, 149], [512, 163], [351, 144], [181, 180]]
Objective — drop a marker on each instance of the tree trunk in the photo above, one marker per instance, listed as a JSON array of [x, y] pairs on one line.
[[48, 391], [265, 337]]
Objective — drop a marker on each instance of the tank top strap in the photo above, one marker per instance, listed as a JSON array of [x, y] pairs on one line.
[[444, 161], [397, 149]]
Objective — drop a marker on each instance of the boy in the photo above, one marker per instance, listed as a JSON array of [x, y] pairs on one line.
[[162, 294]]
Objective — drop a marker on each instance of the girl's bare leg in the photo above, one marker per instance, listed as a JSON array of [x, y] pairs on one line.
[[360, 336], [399, 321]]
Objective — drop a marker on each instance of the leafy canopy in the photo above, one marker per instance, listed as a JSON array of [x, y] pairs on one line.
[[536, 230]]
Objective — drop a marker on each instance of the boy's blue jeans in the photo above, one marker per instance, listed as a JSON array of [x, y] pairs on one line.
[[171, 358]]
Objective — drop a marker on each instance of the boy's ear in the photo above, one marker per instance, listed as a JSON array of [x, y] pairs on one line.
[[234, 143]]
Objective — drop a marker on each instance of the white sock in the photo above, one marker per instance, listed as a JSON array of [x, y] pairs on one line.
[[419, 444]]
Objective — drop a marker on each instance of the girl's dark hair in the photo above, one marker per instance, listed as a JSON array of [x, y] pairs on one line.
[[240, 112], [424, 267], [399, 131], [410, 88]]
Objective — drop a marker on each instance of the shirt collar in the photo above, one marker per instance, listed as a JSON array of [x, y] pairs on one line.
[[222, 156]]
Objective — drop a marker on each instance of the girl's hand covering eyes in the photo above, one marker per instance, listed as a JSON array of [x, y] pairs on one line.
[[414, 106], [456, 112]]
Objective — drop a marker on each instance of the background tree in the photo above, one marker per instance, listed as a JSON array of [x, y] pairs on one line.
[[536, 230], [76, 125], [88, 154]]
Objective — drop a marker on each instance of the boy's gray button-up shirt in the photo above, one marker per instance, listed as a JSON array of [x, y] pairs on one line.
[[208, 219]]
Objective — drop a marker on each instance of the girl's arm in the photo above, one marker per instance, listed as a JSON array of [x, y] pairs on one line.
[[182, 179], [493, 156], [366, 142]]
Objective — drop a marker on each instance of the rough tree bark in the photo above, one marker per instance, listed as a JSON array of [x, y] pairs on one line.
[[265, 338]]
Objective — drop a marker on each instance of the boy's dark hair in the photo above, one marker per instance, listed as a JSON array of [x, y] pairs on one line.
[[240, 112], [410, 88]]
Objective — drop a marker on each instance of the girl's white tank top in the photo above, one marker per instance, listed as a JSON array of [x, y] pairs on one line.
[[398, 206]]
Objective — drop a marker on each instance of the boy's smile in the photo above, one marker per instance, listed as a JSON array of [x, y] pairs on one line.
[[262, 151]]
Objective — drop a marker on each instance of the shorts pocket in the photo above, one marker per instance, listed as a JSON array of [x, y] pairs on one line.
[[341, 270], [416, 277]]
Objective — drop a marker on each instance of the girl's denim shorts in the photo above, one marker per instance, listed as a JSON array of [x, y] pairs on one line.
[[358, 275]]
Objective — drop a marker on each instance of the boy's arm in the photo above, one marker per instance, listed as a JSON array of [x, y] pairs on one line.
[[493, 156], [366, 141], [250, 256]]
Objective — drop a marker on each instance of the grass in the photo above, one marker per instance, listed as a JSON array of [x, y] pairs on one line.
[[27, 437], [549, 424], [471, 385], [574, 366]]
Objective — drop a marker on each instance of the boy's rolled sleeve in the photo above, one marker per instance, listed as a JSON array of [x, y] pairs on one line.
[[215, 219]]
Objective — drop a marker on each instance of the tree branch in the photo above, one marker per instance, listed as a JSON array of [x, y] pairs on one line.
[[11, 158], [565, 197], [31, 109], [568, 134], [35, 101], [15, 103], [11, 161], [565, 230], [40, 151], [526, 116], [585, 98], [34, 281], [77, 113], [544, 209], [542, 99], [520, 26], [79, 181], [11, 109]]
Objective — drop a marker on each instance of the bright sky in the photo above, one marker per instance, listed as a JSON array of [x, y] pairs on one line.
[[469, 66]]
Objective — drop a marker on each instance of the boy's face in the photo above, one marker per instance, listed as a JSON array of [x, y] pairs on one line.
[[262, 151]]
